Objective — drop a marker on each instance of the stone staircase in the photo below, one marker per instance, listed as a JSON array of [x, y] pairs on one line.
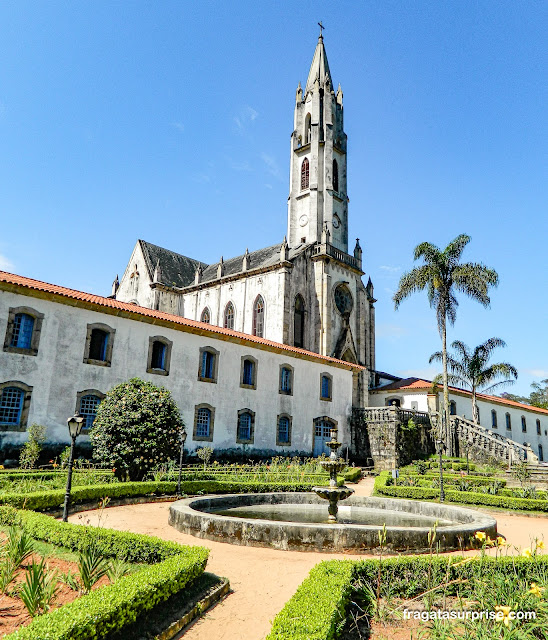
[[491, 444]]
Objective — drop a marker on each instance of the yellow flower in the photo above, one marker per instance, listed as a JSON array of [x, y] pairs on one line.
[[503, 614], [536, 590], [527, 553], [489, 542], [500, 541], [480, 535], [540, 544]]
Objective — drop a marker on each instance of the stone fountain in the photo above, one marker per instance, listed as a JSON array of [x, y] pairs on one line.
[[333, 466]]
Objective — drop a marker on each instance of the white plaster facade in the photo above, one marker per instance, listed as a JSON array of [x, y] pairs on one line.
[[536, 420], [57, 373], [311, 265]]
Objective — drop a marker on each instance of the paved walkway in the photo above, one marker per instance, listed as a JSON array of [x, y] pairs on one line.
[[262, 580]]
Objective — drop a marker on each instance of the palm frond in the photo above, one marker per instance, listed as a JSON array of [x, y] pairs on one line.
[[410, 282], [454, 249]]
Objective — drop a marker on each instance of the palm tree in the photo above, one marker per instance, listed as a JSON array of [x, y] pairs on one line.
[[442, 274], [472, 370]]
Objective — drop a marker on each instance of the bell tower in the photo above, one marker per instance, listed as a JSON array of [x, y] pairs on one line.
[[318, 202]]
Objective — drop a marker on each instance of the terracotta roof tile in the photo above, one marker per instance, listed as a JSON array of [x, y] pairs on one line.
[[418, 383], [100, 301]]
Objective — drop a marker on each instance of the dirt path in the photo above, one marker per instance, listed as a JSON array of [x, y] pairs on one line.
[[262, 580]]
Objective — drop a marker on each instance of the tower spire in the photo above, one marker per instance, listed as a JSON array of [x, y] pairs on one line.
[[319, 67]]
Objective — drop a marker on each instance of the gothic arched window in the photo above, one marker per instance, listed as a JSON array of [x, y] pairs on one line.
[[258, 317], [308, 129], [305, 174], [229, 316], [206, 316], [298, 322], [335, 175]]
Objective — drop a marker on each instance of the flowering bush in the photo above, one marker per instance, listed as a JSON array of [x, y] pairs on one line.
[[137, 427]]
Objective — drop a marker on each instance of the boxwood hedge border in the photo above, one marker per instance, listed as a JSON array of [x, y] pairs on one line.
[[109, 609], [319, 607], [457, 497]]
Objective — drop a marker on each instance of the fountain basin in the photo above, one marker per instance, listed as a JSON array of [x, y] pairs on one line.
[[201, 517]]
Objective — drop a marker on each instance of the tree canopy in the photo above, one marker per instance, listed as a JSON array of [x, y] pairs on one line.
[[137, 427]]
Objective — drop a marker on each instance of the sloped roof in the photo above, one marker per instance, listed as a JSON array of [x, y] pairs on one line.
[[176, 270], [257, 259], [12, 282], [319, 67], [406, 384]]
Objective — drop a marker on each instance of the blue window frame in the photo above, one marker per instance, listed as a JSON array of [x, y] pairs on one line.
[[326, 388], [203, 423], [11, 405], [283, 430], [98, 345], [158, 360], [208, 363], [23, 326], [88, 409], [494, 420], [540, 453], [523, 424], [244, 426], [508, 422], [248, 372], [285, 383]]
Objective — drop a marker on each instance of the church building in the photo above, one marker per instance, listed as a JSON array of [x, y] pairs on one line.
[[306, 291]]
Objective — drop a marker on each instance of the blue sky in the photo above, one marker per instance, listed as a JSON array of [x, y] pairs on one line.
[[170, 121]]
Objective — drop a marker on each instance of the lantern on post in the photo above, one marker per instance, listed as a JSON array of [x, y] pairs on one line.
[[75, 425]]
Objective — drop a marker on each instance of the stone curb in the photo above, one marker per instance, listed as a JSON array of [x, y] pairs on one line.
[[197, 610]]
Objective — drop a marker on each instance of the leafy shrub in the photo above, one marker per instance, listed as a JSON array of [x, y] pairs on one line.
[[92, 566], [112, 607], [383, 487], [137, 427], [318, 606], [45, 500], [31, 449], [421, 467], [39, 588], [204, 453], [352, 474]]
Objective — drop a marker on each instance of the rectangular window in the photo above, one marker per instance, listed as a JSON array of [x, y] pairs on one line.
[[23, 325], [508, 422], [285, 380], [538, 428], [283, 430], [207, 364], [494, 422], [202, 423], [11, 405], [523, 424], [326, 388], [244, 427], [248, 372]]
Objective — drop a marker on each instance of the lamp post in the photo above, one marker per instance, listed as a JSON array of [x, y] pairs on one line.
[[441, 446], [182, 437], [75, 425]]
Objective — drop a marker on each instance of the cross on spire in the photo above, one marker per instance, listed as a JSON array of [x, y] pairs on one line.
[[321, 28]]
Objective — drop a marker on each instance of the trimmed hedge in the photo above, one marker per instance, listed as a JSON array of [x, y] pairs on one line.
[[43, 500], [319, 604], [318, 607], [112, 607], [352, 474], [459, 497]]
